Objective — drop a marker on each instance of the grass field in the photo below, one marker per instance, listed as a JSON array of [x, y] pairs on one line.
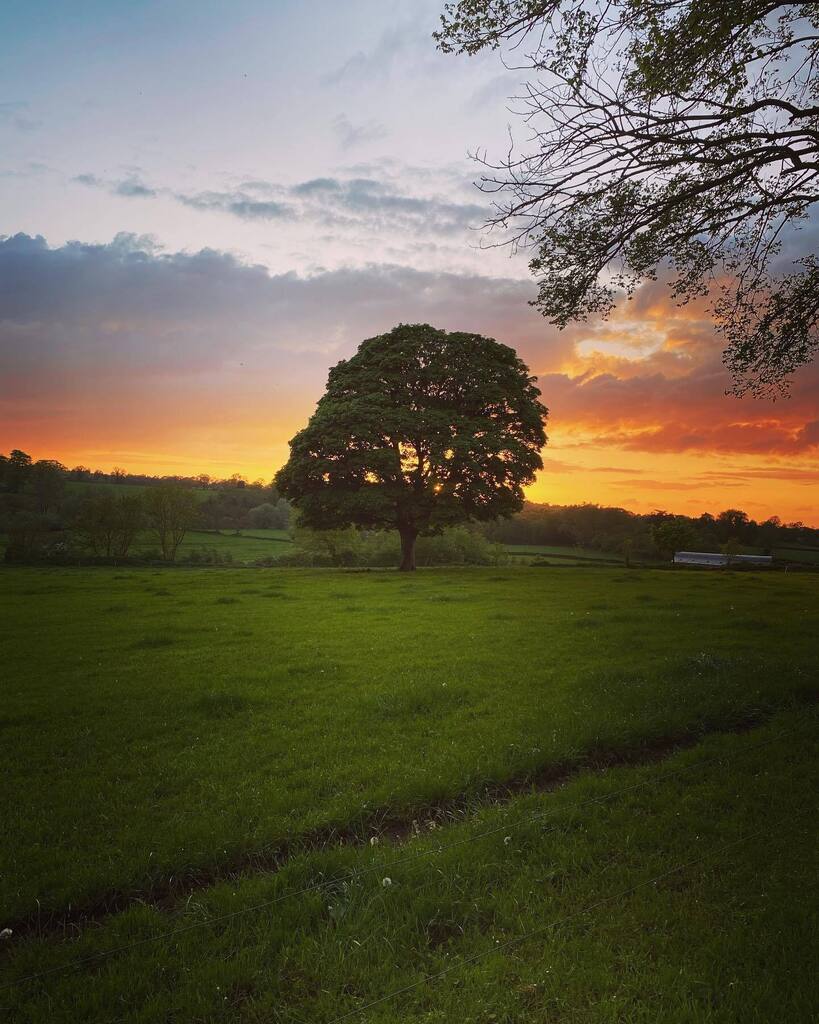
[[246, 546], [562, 554], [809, 556], [171, 737], [249, 545]]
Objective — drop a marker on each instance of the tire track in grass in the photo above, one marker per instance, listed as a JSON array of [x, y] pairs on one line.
[[385, 824]]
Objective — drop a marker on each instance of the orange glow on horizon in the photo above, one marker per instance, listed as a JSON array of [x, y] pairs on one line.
[[574, 472], [639, 419]]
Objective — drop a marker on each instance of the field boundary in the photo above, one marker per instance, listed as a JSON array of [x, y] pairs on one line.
[[602, 560]]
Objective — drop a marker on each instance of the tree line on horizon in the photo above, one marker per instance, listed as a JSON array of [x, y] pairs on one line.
[[50, 511], [47, 509]]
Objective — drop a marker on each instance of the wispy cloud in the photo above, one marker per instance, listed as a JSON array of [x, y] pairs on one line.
[[15, 112], [30, 169], [498, 89], [350, 135], [373, 202], [403, 49], [343, 202], [131, 187], [134, 188], [790, 473], [239, 204], [377, 62], [89, 180]]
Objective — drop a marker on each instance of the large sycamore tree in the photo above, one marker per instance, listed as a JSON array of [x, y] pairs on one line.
[[419, 430], [664, 137]]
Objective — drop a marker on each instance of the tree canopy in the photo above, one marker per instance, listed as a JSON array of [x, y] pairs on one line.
[[172, 510], [419, 430], [666, 136]]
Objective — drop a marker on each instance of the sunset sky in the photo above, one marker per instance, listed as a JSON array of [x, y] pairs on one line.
[[204, 206]]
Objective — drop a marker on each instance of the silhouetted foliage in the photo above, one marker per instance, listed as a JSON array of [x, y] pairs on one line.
[[15, 470], [672, 535], [664, 134], [419, 430], [608, 529], [456, 545], [269, 516], [47, 478], [108, 523], [27, 531], [64, 516], [171, 511]]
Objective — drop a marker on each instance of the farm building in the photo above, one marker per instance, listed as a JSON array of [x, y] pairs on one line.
[[716, 559]]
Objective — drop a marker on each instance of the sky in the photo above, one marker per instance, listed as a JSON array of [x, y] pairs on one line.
[[204, 206]]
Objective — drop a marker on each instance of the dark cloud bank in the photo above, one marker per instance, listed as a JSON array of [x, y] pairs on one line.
[[125, 306], [126, 317]]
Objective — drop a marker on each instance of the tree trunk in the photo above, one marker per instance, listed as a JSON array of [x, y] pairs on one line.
[[408, 536]]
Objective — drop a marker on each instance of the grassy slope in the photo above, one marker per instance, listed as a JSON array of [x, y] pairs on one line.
[[156, 723], [561, 551], [246, 546], [809, 556], [676, 892]]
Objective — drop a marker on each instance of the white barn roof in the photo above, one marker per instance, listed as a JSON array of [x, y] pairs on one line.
[[717, 559]]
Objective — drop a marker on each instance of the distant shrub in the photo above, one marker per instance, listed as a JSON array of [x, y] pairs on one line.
[[300, 557], [206, 556], [457, 546], [268, 516]]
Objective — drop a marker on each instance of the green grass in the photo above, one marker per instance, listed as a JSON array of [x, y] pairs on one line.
[[162, 724], [676, 892], [246, 546], [563, 553], [809, 556], [165, 733]]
